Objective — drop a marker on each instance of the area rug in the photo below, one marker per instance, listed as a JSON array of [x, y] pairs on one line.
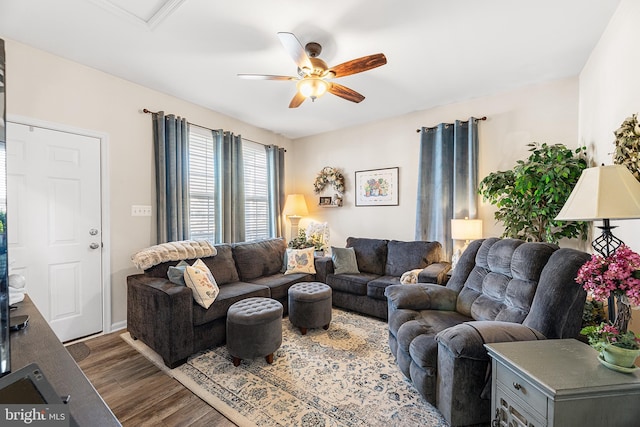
[[79, 351], [344, 376]]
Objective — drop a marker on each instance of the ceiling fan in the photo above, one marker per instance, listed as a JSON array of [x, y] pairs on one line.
[[314, 74]]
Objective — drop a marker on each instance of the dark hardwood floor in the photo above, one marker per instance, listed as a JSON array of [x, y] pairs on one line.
[[140, 394]]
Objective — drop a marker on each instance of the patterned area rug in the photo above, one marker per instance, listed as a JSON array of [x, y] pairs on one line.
[[345, 376]]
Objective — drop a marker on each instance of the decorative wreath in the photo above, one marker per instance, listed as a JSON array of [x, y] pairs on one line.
[[627, 143], [329, 175]]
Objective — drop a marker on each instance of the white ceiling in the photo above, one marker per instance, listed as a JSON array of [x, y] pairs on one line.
[[438, 51]]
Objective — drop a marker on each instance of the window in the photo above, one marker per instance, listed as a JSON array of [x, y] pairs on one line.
[[202, 187], [255, 190], [202, 181]]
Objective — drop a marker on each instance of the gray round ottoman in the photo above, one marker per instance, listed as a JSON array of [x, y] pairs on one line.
[[254, 329], [309, 305]]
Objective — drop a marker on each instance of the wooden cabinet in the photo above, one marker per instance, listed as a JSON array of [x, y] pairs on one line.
[[559, 383]]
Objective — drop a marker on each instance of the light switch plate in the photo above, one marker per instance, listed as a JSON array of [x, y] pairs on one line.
[[140, 210]]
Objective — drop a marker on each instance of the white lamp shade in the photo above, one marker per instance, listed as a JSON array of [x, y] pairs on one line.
[[603, 192], [466, 229], [295, 206]]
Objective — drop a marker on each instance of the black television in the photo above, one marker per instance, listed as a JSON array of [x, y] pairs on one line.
[[5, 350]]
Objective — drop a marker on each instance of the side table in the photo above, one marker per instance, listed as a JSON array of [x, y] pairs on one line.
[[559, 383]]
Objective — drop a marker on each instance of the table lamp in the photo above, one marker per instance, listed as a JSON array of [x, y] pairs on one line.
[[295, 208], [464, 229], [604, 193]]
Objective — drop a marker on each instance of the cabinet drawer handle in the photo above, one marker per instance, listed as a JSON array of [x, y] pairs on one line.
[[517, 386]]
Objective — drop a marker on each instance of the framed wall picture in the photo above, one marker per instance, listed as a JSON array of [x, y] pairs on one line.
[[324, 201], [377, 187]]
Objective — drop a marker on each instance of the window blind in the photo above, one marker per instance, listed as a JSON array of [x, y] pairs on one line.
[[256, 191], [201, 184]]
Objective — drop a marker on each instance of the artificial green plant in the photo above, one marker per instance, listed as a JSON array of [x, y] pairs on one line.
[[531, 195]]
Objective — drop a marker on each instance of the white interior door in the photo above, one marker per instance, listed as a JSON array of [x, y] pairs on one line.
[[54, 225]]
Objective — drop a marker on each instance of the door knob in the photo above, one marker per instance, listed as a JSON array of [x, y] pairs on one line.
[[94, 245], [93, 232]]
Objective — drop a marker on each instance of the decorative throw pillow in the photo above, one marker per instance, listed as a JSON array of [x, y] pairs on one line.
[[201, 282], [300, 261], [176, 274], [344, 261]]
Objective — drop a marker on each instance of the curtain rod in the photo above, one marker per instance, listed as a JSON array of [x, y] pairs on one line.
[[146, 111], [479, 118]]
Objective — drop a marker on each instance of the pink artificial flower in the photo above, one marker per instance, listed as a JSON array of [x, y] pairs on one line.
[[603, 277]]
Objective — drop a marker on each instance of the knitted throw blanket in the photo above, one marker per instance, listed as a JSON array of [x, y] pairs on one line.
[[173, 251]]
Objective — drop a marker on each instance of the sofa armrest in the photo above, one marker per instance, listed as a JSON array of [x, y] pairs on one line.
[[421, 296], [324, 267], [435, 273], [160, 314], [467, 340]]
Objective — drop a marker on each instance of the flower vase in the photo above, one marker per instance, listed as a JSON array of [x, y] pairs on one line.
[[622, 312], [619, 356]]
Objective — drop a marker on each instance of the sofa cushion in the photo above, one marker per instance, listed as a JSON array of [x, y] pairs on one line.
[[371, 254], [280, 283], [405, 256], [355, 284], [376, 287], [427, 323], [229, 294], [201, 282], [502, 284], [176, 274], [344, 260], [300, 261], [260, 258], [222, 266]]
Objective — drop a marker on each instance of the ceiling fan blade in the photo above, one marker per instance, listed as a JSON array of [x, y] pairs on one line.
[[295, 50], [297, 99], [359, 65], [265, 77], [345, 92]]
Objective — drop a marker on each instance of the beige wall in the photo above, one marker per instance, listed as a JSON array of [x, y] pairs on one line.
[[542, 113], [610, 92], [45, 87]]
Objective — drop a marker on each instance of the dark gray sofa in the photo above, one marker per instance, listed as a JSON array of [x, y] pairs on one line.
[[381, 263], [501, 290], [165, 317]]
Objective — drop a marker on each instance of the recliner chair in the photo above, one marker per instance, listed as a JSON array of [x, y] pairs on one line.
[[501, 290]]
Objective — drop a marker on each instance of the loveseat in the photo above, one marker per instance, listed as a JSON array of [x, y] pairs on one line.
[[500, 290], [380, 263], [164, 315]]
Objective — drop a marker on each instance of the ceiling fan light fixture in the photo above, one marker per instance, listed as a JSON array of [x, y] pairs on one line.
[[312, 87]]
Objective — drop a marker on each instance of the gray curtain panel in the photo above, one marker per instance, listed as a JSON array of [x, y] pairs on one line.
[[275, 187], [170, 138], [230, 216], [447, 180]]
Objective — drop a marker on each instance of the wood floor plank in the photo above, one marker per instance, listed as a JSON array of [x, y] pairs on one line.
[[140, 394]]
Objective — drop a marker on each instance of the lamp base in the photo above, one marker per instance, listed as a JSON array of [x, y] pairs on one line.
[[295, 220], [606, 245]]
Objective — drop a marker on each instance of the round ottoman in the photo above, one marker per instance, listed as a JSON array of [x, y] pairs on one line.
[[254, 329], [309, 305]]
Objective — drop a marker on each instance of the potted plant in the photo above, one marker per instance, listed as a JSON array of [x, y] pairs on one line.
[[531, 195], [617, 275], [615, 347], [302, 242]]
